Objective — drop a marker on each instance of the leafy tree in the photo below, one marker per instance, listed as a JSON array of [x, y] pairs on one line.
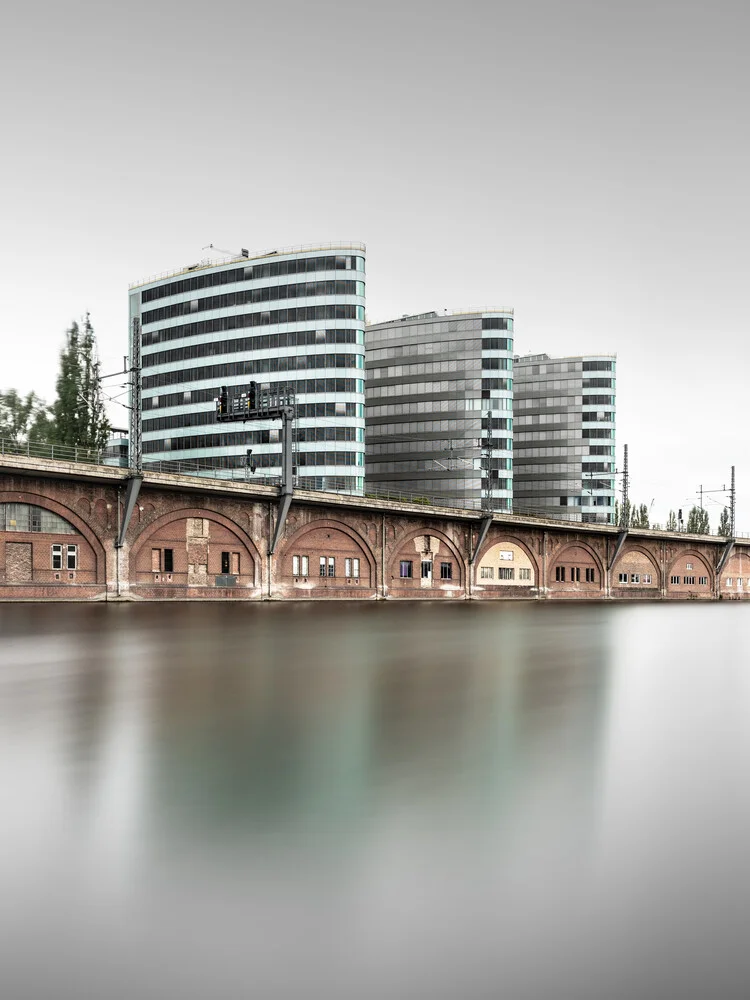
[[24, 418], [79, 414], [697, 522], [725, 523], [672, 521]]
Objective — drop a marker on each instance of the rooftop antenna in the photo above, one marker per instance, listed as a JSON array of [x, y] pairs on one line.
[[229, 253]]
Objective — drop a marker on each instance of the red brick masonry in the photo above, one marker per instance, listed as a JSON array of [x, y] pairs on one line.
[[207, 539]]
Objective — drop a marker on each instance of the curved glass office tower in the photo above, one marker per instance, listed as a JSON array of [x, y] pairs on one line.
[[291, 318], [440, 406]]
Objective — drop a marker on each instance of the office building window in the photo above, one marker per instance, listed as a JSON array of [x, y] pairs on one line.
[[487, 572], [406, 569], [506, 573]]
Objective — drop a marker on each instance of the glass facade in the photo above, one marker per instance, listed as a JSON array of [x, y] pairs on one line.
[[439, 406], [315, 349], [564, 436]]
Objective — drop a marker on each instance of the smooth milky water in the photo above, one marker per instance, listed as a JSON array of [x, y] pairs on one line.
[[376, 800]]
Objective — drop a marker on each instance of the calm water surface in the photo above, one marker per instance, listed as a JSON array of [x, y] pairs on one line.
[[381, 800]]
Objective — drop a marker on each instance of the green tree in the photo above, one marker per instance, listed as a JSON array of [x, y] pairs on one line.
[[725, 524], [672, 521], [79, 416], [24, 418], [697, 522]]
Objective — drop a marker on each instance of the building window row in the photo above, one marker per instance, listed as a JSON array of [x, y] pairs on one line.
[[496, 323], [65, 557], [28, 517], [266, 317], [729, 582], [270, 293], [635, 578], [598, 383], [497, 344], [253, 272], [464, 351], [233, 369], [497, 364], [597, 432], [278, 341], [574, 574], [598, 400], [505, 384], [261, 366], [598, 366], [267, 436], [406, 570], [209, 395], [504, 573]]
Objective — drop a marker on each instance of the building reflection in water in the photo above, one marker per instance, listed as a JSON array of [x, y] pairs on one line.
[[336, 801]]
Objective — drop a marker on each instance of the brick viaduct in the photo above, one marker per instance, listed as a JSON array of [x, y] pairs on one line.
[[192, 538]]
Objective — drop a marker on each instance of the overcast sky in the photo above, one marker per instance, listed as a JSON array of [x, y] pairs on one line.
[[586, 164]]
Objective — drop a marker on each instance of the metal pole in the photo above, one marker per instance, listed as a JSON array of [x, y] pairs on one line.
[[732, 499], [136, 429]]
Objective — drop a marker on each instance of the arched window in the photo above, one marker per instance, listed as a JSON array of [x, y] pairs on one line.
[[27, 517]]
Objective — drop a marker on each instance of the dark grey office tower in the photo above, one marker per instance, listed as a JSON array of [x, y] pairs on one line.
[[439, 407], [564, 436]]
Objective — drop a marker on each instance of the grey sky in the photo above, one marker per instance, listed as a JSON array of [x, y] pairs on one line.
[[584, 163]]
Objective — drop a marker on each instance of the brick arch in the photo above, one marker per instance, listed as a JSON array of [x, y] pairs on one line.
[[72, 517], [435, 532], [692, 554], [641, 550], [320, 524], [560, 557], [183, 514], [498, 540]]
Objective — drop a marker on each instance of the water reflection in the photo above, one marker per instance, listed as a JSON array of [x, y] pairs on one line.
[[372, 800]]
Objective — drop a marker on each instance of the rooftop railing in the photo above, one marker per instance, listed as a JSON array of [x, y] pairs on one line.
[[255, 255], [203, 469]]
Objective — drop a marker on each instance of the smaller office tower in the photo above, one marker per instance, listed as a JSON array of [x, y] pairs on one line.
[[439, 407], [564, 436]]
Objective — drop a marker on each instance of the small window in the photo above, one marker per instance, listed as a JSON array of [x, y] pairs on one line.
[[524, 573], [331, 566], [57, 558], [355, 569], [155, 560], [72, 556], [505, 573], [703, 581], [169, 560], [688, 565], [590, 574], [406, 569], [560, 574], [622, 578], [674, 579], [575, 574], [487, 572], [224, 562], [690, 581], [635, 577], [305, 565], [295, 565], [647, 578], [236, 563], [739, 581], [322, 565], [446, 571], [426, 569]]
